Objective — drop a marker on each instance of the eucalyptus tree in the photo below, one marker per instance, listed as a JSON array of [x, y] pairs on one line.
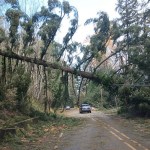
[[98, 40]]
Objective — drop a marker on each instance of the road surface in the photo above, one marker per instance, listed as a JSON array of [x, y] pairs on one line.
[[102, 132]]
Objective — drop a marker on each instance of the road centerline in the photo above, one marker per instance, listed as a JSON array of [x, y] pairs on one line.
[[110, 128]]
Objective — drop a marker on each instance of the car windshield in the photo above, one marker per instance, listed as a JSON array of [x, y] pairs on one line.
[[85, 104]]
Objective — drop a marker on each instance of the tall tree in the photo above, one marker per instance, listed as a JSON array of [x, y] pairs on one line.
[[133, 40], [129, 20]]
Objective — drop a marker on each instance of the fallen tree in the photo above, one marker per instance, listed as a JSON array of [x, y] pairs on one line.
[[44, 63]]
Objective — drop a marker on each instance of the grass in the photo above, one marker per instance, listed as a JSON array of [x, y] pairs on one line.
[[111, 111], [52, 124], [140, 124], [8, 118]]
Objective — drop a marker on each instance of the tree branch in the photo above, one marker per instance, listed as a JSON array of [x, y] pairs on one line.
[[105, 60]]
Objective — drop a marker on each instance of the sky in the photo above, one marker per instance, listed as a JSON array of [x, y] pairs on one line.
[[88, 9]]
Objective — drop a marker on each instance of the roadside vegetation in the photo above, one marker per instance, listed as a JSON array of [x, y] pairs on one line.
[[51, 125]]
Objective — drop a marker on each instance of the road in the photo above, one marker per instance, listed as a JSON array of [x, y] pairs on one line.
[[102, 132]]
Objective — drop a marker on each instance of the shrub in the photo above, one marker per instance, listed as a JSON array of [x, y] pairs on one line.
[[135, 101]]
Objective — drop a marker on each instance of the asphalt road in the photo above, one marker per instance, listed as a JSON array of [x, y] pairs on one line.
[[102, 132]]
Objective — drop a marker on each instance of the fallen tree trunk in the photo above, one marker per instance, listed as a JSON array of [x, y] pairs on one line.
[[12, 129], [7, 131], [37, 61]]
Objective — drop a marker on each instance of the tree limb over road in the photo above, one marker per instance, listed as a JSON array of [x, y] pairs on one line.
[[37, 61]]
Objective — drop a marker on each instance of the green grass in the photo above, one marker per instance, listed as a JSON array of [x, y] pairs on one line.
[[110, 110], [48, 124]]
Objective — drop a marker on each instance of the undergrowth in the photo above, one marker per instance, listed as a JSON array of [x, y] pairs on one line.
[[47, 124]]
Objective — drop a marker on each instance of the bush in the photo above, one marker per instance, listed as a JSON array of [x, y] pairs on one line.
[[122, 110], [22, 82], [144, 109], [42, 116], [135, 101]]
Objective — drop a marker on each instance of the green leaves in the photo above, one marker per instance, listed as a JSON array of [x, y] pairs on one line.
[[116, 32], [98, 41], [66, 7], [13, 16], [52, 4]]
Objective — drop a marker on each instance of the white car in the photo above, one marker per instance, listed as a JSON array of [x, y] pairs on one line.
[[85, 108], [67, 108]]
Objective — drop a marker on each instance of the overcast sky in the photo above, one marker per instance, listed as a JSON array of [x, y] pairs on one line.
[[88, 9]]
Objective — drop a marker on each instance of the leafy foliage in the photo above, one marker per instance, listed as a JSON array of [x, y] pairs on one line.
[[99, 40], [133, 28], [22, 82]]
